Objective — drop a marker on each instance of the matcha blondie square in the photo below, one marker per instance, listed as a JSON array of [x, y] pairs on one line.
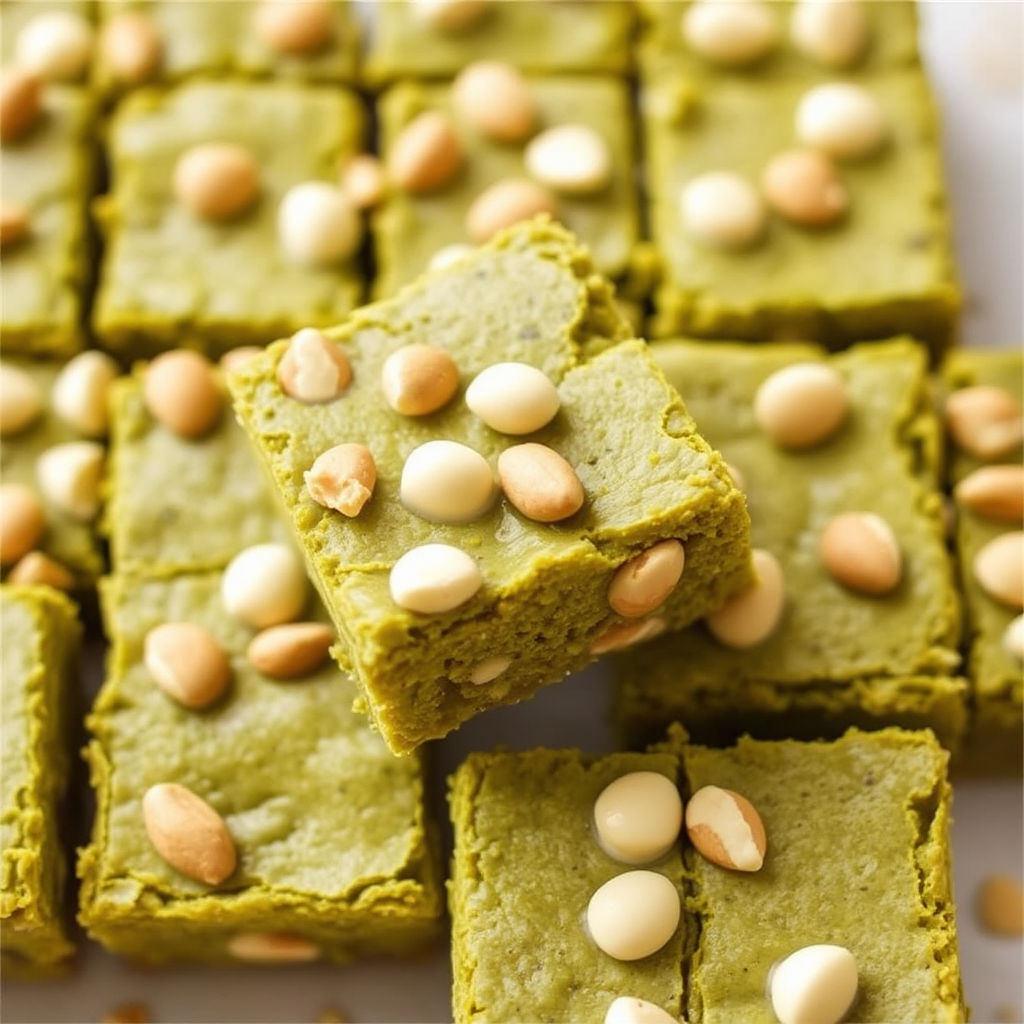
[[568, 150], [855, 853], [164, 41], [222, 225], [425, 39], [819, 646], [987, 481], [40, 639], [47, 164], [799, 209], [319, 846], [383, 437]]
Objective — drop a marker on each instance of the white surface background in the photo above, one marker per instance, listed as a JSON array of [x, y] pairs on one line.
[[974, 52]]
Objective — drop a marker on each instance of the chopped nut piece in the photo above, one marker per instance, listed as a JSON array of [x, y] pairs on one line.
[[20, 102], [514, 398], [730, 33], [39, 569], [342, 478], [265, 585], [802, 405], [1001, 906], [70, 476], [832, 32], [860, 551], [725, 829], [362, 181], [571, 158], [419, 379], [451, 15], [426, 155], [489, 669], [217, 180], [644, 582], [540, 483], [447, 482], [627, 634], [816, 983], [130, 1013], [1013, 638], [81, 390], [999, 568], [506, 203], [845, 121], [449, 254], [804, 186], [633, 914], [273, 947], [131, 46], [56, 45], [318, 224], [187, 663], [22, 522], [313, 369], [298, 27], [20, 400], [181, 392], [434, 578], [984, 421], [234, 359], [292, 650], [15, 223], [752, 616], [995, 492], [629, 1010], [495, 99], [638, 816], [188, 833], [722, 210]]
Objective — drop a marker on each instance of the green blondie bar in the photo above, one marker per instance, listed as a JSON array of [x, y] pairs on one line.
[[837, 657], [540, 608], [883, 269], [996, 732], [334, 854], [526, 863], [170, 278], [40, 640]]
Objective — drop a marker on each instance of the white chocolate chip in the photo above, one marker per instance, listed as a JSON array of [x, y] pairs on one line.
[[630, 1010], [845, 121], [646, 581], [449, 255], [434, 578], [313, 369], [814, 985], [362, 181], [426, 155], [633, 914], [217, 180], [999, 568], [540, 483], [730, 32], [273, 948], [831, 32], [752, 616], [861, 552], [70, 475], [513, 398], [264, 585], [627, 634], [489, 669], [81, 390], [318, 224], [15, 223], [804, 186], [447, 482], [291, 650], [20, 400], [570, 158], [296, 27], [419, 379], [181, 392], [738, 479], [39, 569], [638, 816], [1001, 906], [1013, 638], [188, 833], [722, 210], [995, 492], [131, 47], [22, 522], [801, 405], [985, 421], [495, 99], [20, 102], [725, 828], [56, 45], [451, 16], [505, 203], [342, 478], [187, 663]]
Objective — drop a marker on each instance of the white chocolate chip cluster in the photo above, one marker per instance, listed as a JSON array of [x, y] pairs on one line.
[[68, 474]]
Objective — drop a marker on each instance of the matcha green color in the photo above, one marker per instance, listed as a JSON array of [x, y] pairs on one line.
[[49, 172], [410, 228], [70, 541], [886, 268], [857, 855], [177, 504], [537, 36], [218, 38], [39, 653], [532, 296], [16, 14], [892, 43], [170, 278], [525, 866], [330, 828], [996, 732], [837, 658]]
